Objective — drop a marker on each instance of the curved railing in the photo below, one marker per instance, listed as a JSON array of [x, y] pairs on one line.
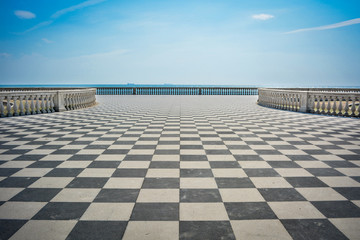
[[27, 101], [176, 91], [329, 101]]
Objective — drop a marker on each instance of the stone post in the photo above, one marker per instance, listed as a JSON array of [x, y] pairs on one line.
[[304, 105], [59, 102]]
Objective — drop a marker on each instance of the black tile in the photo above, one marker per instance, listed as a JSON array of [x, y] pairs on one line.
[[338, 209], [324, 172], [95, 230], [9, 227], [248, 158], [104, 164], [83, 157], [87, 182], [243, 147], [6, 172], [249, 210], [234, 183], [62, 211], [191, 147], [351, 193], [164, 164], [196, 173], [224, 164], [283, 164], [129, 173], [144, 147], [356, 178], [350, 157], [64, 172], [36, 195], [261, 172], [268, 152], [17, 151], [200, 195], [312, 229], [161, 183], [66, 151], [155, 212], [284, 147], [300, 182], [95, 146], [301, 157], [193, 158], [45, 164], [138, 157], [206, 230], [50, 147], [18, 182], [281, 194], [217, 152], [341, 164], [169, 143], [29, 157], [117, 195]]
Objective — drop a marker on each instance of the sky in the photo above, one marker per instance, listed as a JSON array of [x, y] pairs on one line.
[[277, 43]]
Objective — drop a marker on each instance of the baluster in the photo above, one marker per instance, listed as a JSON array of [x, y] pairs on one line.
[[15, 105], [27, 106], [2, 109], [357, 100], [43, 110], [334, 106], [37, 104], [47, 106], [52, 103], [317, 104], [340, 113], [346, 107], [66, 103], [8, 106], [328, 108], [73, 100], [353, 108], [32, 104], [21, 106], [323, 104]]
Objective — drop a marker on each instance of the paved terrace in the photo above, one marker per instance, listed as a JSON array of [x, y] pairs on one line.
[[188, 167]]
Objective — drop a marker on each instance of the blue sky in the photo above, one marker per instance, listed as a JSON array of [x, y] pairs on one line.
[[264, 43]]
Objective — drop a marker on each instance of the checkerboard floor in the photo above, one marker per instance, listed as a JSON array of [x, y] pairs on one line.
[[179, 167]]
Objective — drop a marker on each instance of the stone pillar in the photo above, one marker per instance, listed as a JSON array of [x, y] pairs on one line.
[[59, 102], [304, 104]]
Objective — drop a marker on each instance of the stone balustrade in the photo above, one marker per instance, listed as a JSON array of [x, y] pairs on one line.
[[27, 101], [176, 91], [329, 101]]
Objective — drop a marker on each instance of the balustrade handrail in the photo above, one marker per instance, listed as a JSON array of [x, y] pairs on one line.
[[336, 101], [26, 101], [176, 90]]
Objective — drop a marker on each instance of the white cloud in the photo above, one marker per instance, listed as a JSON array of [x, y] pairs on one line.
[[331, 26], [24, 14], [262, 16], [64, 11], [39, 25], [76, 7], [47, 40], [4, 54]]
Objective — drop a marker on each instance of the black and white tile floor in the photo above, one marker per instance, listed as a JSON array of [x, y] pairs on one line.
[[179, 167]]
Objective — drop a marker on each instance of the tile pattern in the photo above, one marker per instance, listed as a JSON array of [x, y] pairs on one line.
[[187, 167]]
